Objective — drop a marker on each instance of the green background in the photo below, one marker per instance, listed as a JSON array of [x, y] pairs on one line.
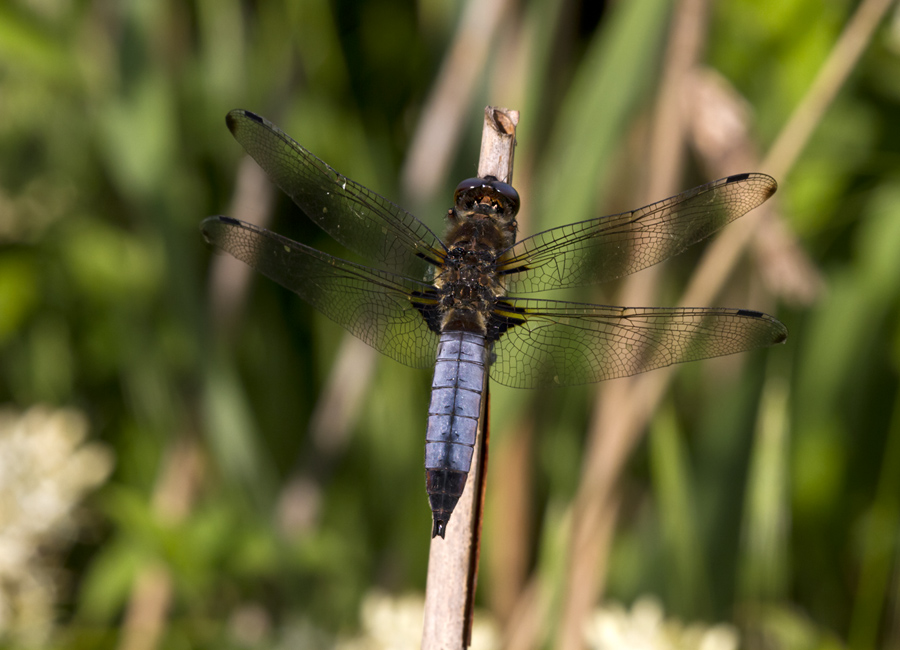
[[765, 493]]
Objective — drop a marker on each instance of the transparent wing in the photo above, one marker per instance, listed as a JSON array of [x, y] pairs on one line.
[[610, 247], [385, 310], [553, 343], [357, 217]]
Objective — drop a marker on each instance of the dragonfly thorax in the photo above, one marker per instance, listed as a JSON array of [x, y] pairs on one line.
[[468, 287]]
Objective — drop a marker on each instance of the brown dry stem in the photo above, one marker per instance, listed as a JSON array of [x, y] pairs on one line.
[[452, 562]]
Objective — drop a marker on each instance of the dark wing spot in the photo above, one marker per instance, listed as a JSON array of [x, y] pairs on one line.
[[501, 320], [231, 120], [253, 116], [431, 260], [509, 270], [427, 304]]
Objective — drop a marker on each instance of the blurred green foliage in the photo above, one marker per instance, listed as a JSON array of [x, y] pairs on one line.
[[767, 499]]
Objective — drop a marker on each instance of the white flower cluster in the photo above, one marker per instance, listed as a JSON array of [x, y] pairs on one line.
[[645, 628], [395, 623], [45, 470]]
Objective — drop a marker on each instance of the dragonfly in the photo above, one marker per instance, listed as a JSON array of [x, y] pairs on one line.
[[462, 303]]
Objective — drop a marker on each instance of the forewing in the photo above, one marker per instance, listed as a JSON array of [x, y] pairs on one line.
[[553, 343], [357, 217], [610, 247], [383, 309]]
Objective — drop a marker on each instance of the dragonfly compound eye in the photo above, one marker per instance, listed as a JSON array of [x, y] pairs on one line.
[[474, 190]]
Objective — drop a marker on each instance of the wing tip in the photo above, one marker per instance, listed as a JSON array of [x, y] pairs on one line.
[[781, 335], [207, 224], [233, 117], [220, 219], [780, 332], [771, 183]]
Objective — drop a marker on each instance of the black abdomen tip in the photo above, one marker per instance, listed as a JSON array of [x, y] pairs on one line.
[[439, 528]]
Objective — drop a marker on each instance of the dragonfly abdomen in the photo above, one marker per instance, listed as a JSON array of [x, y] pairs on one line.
[[457, 396]]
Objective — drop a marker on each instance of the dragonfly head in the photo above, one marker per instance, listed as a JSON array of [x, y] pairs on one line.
[[484, 206], [486, 196]]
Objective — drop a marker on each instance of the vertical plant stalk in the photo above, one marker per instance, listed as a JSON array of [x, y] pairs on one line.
[[444, 115], [145, 617], [610, 443], [832, 76], [622, 422], [453, 561]]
